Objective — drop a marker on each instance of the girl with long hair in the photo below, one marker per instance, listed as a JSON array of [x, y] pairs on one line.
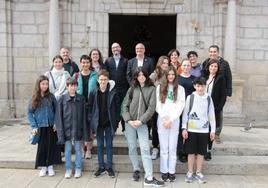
[[137, 109], [170, 101], [158, 76], [216, 88], [57, 77], [41, 115]]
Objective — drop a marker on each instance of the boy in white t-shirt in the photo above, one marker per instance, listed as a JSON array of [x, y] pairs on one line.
[[198, 116]]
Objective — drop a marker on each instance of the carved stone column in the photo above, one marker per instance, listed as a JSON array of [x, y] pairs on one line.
[[230, 35], [54, 31]]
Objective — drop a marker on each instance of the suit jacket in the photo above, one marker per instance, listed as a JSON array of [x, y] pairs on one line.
[[119, 74], [148, 64]]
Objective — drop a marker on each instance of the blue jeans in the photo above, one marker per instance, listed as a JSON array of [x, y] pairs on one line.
[[131, 135], [78, 154], [105, 133]]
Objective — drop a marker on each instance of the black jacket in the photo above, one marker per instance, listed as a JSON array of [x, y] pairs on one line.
[[132, 66], [71, 119], [225, 71], [118, 75], [113, 110], [218, 93]]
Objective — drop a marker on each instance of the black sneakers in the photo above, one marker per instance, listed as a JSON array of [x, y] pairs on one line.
[[100, 172], [111, 172], [154, 182], [136, 176], [165, 177], [172, 177]]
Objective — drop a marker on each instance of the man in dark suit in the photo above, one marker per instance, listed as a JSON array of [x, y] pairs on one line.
[[117, 68], [139, 61]]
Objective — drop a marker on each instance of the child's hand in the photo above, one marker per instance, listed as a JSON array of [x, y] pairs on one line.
[[131, 123], [54, 128], [137, 123], [212, 136], [34, 131], [185, 134]]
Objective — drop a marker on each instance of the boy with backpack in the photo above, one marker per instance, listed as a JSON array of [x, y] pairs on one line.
[[198, 126]]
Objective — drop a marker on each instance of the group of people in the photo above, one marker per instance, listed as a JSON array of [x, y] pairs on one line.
[[180, 102]]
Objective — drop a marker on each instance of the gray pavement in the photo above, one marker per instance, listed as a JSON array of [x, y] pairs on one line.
[[19, 178], [244, 154]]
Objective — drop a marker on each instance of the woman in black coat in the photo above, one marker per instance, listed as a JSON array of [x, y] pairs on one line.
[[216, 87]]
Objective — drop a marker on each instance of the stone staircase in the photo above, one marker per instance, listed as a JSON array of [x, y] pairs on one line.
[[241, 153]]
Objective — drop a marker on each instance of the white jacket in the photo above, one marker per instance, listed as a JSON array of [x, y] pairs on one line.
[[201, 116], [170, 109]]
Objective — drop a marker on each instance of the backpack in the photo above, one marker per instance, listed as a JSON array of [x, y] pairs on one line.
[[191, 106], [192, 101]]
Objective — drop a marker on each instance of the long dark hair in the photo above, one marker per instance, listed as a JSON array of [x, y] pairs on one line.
[[135, 82], [100, 56], [178, 54], [158, 70], [164, 86], [211, 61], [36, 97]]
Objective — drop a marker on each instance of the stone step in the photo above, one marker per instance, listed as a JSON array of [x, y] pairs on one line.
[[219, 165], [226, 148]]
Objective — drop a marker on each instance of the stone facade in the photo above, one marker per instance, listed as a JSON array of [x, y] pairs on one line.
[[24, 42]]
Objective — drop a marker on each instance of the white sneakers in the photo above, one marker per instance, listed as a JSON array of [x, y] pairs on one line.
[[43, 172], [51, 171], [78, 173], [48, 169], [68, 174]]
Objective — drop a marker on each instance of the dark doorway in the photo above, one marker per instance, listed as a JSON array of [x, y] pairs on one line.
[[158, 33]]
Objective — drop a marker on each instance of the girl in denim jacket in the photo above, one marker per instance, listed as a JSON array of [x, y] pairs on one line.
[[41, 115]]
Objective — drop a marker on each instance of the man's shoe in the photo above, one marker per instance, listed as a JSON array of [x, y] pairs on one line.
[[154, 182], [189, 177], [208, 157], [136, 176], [78, 173], [155, 153], [68, 174], [172, 177], [164, 177], [111, 172], [43, 172], [100, 172]]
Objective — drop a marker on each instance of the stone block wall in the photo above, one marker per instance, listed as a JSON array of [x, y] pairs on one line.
[[85, 25], [252, 59]]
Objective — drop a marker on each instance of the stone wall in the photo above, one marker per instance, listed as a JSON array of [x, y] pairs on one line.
[[252, 57], [85, 24]]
